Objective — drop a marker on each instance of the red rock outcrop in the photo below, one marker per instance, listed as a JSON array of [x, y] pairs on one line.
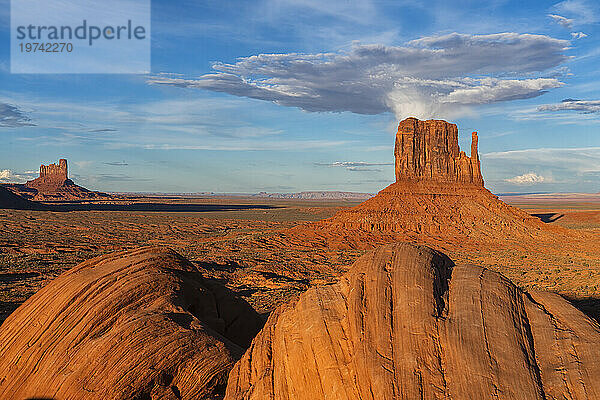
[[438, 192], [52, 177], [405, 323], [131, 325], [429, 150], [54, 184]]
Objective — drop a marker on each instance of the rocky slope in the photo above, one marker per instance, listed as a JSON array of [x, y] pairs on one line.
[[405, 323], [132, 325]]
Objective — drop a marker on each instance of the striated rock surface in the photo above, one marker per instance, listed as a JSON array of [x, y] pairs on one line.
[[428, 150], [437, 209], [131, 325], [405, 323]]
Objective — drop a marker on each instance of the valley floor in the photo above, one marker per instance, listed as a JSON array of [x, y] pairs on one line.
[[251, 245]]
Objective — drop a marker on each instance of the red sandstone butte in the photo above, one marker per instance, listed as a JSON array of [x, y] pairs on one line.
[[52, 177], [438, 192], [54, 184], [428, 150]]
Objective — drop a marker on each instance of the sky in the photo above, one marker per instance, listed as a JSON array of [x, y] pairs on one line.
[[296, 95]]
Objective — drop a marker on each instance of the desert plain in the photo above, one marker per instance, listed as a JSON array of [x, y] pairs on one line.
[[242, 242]]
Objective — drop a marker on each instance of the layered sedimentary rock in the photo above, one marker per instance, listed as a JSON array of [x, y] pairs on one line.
[[438, 191], [429, 150], [437, 209], [54, 184], [132, 325], [406, 323]]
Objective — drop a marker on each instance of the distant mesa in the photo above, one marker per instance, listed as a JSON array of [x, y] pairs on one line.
[[438, 191], [54, 184], [52, 177]]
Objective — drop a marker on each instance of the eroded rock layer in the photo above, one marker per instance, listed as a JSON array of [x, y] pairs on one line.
[[405, 323], [132, 325], [438, 209], [429, 150]]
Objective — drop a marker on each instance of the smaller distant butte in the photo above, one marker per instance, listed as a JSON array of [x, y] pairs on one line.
[[54, 184]]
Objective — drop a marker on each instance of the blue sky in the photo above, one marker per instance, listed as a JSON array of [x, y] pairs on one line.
[[285, 96]]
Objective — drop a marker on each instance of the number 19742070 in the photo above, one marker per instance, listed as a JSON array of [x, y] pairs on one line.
[[35, 47]]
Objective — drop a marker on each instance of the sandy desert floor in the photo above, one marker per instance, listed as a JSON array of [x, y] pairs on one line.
[[245, 243]]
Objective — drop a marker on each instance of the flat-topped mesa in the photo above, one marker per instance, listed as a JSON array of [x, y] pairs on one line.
[[429, 150]]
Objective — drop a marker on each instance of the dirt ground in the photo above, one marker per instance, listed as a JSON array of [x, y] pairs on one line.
[[246, 243]]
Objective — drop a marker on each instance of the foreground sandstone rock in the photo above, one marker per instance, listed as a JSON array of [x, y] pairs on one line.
[[405, 323], [132, 325]]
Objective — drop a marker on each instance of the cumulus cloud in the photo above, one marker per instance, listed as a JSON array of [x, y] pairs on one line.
[[6, 175], [566, 23], [583, 106], [574, 169], [432, 76], [530, 178], [578, 35], [13, 117]]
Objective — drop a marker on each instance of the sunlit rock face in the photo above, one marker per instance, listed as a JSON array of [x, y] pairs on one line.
[[429, 150]]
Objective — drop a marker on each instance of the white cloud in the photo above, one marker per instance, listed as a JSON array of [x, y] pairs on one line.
[[530, 178], [566, 23], [432, 76], [578, 35], [583, 106], [12, 116], [355, 165], [6, 175], [580, 11]]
